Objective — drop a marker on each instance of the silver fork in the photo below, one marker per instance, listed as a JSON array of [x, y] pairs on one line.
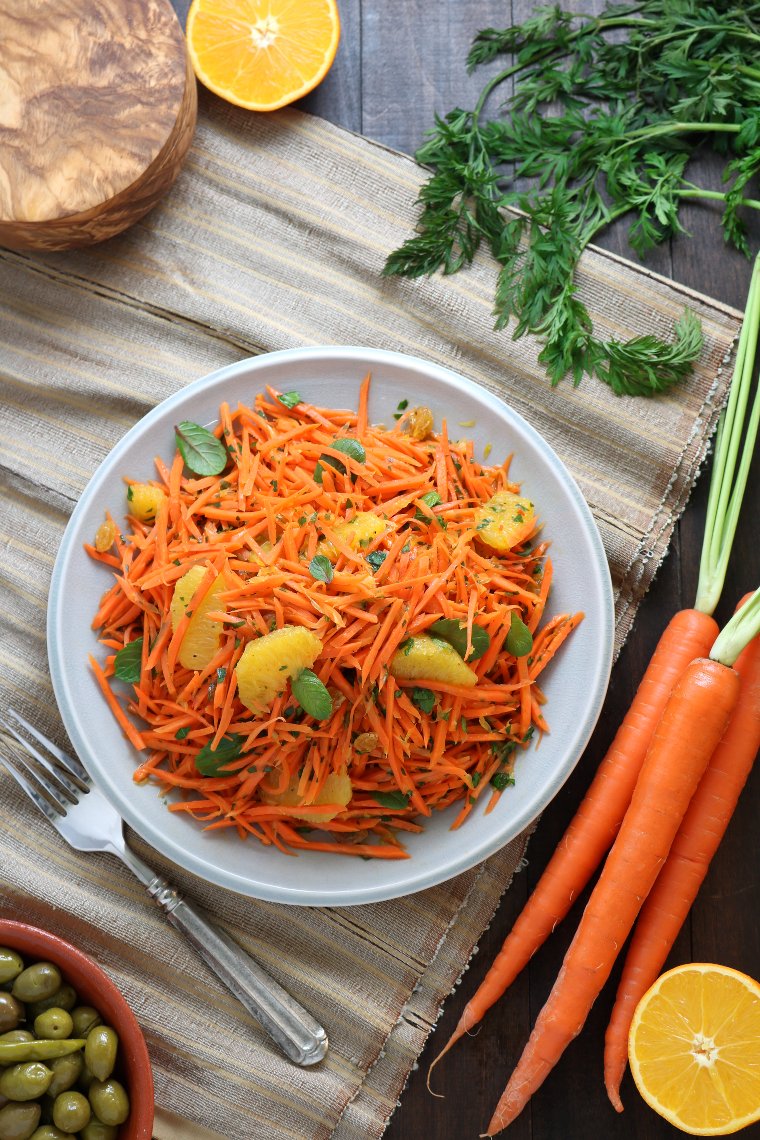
[[63, 791]]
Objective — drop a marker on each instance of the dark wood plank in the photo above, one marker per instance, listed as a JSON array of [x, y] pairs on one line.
[[339, 96], [414, 64]]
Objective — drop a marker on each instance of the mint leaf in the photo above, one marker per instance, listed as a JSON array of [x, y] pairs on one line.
[[376, 558], [312, 695], [455, 632], [128, 661], [424, 699], [399, 800], [519, 639], [201, 450], [321, 568], [431, 499], [350, 447], [290, 399], [210, 762]]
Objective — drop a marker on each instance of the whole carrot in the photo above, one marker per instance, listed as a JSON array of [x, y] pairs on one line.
[[692, 723], [592, 830], [689, 635], [698, 838]]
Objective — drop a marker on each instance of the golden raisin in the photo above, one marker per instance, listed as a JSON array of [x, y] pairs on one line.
[[366, 741], [105, 536], [419, 423]]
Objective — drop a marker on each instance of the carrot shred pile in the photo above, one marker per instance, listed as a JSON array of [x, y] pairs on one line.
[[259, 524]]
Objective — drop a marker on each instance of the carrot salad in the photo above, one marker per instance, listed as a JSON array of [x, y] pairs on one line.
[[336, 634]]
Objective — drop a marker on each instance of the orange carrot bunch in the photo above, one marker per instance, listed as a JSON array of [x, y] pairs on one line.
[[270, 534]]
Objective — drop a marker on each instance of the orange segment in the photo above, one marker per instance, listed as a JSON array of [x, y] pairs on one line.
[[506, 520], [694, 1049], [336, 790], [262, 54], [203, 635]]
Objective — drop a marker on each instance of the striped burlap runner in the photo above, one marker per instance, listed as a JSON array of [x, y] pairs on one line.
[[273, 237]]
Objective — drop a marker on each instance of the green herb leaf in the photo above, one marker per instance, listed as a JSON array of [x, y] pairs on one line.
[[290, 399], [321, 568], [210, 762], [348, 446], [455, 632], [431, 499], [181, 733], [397, 800], [376, 558], [502, 780], [202, 452], [590, 128], [128, 661], [519, 639], [503, 749], [424, 699], [312, 695]]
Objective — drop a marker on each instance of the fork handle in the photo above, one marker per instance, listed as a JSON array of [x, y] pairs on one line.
[[300, 1037]]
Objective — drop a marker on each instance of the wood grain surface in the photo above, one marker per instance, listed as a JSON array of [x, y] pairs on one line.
[[399, 62], [97, 111]]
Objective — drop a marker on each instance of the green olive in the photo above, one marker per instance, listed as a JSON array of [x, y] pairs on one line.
[[66, 1072], [97, 1130], [18, 1121], [26, 1081], [64, 998], [11, 1012], [109, 1101], [71, 1111], [38, 981], [53, 1024], [50, 1132], [85, 1018], [16, 1035], [11, 964], [100, 1051]]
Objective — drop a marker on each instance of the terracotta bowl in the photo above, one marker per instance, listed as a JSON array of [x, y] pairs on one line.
[[95, 988]]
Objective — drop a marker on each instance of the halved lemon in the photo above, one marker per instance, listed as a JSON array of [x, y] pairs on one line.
[[262, 54], [694, 1048]]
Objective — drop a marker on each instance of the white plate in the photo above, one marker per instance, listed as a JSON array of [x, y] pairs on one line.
[[575, 682]]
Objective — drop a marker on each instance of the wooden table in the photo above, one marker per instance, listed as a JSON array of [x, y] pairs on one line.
[[398, 63]]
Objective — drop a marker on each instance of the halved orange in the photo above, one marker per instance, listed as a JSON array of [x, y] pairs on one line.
[[694, 1048], [262, 54]]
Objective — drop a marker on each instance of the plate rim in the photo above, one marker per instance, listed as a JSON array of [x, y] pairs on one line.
[[186, 858]]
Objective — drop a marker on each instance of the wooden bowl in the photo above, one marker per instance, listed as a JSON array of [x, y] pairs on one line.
[[98, 104], [95, 988]]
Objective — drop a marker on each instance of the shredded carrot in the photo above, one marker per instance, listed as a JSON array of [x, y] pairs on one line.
[[292, 490]]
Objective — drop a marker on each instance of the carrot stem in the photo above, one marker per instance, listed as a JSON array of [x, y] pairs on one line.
[[727, 485], [738, 632]]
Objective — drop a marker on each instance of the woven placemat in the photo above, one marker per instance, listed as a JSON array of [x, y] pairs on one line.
[[274, 237]]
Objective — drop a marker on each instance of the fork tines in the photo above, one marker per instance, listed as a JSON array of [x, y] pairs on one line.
[[49, 780]]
